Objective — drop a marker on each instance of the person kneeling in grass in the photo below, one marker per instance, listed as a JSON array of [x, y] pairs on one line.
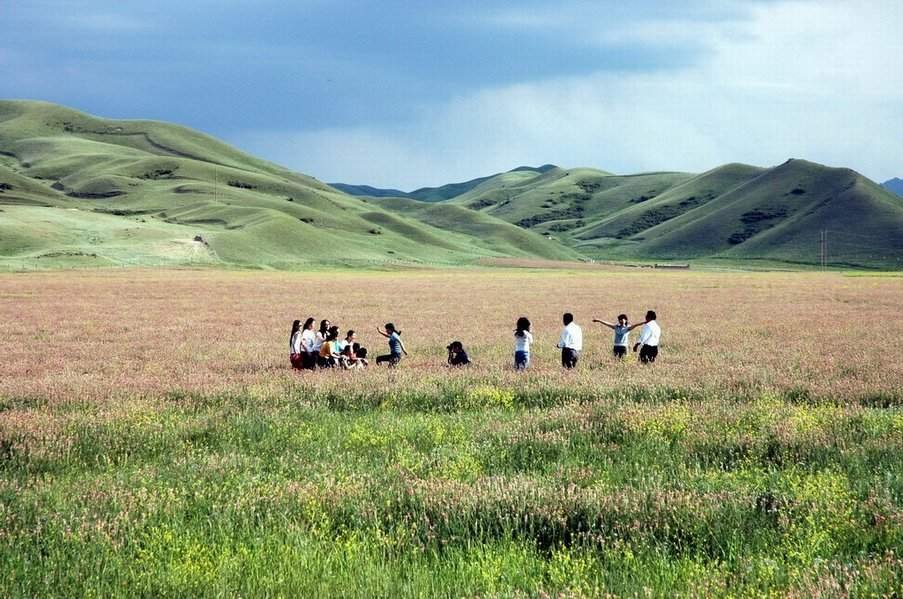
[[396, 347], [622, 334], [329, 351], [360, 355], [650, 337], [456, 354]]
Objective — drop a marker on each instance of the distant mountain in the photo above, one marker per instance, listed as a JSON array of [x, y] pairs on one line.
[[431, 194], [368, 191], [895, 185]]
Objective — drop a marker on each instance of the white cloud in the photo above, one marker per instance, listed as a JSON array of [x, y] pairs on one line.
[[815, 80]]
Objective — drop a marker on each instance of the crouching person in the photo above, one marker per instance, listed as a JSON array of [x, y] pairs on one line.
[[456, 354]]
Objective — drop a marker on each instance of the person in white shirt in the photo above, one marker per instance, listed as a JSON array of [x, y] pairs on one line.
[[308, 342], [523, 339], [650, 337], [294, 345], [571, 341]]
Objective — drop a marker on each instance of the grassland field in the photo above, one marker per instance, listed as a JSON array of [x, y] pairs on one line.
[[154, 442]]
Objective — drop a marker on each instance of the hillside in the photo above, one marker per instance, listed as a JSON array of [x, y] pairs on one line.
[[734, 212], [76, 190]]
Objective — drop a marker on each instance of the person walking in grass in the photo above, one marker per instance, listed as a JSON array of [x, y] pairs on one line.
[[523, 339], [650, 337], [294, 346], [622, 334], [308, 342], [570, 342], [396, 347]]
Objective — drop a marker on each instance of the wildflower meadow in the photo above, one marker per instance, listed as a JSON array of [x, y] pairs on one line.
[[154, 440]]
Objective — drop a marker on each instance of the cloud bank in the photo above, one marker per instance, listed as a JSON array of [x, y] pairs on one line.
[[819, 80]]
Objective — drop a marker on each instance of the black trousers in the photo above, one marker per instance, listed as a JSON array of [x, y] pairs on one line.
[[648, 353], [569, 357], [308, 361], [391, 359], [620, 351]]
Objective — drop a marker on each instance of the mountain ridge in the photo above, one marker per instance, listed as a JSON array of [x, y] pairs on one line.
[[80, 190]]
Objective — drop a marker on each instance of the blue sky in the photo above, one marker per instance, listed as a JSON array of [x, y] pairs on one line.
[[405, 94]]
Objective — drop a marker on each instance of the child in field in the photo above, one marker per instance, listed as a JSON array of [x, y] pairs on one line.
[[352, 354], [396, 347], [329, 354], [523, 339], [294, 345], [360, 354], [321, 335], [347, 341], [650, 337], [308, 341], [456, 354], [571, 341], [622, 334]]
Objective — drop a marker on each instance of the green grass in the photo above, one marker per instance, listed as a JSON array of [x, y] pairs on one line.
[[468, 489]]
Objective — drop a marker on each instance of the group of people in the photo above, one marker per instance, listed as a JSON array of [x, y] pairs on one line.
[[571, 340], [309, 349]]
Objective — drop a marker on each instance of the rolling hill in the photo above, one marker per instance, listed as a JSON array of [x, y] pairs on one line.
[[76, 190], [734, 212]]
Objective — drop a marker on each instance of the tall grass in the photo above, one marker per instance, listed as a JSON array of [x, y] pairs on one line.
[[693, 477]]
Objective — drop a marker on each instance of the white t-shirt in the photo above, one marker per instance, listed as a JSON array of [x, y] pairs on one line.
[[294, 347], [571, 337], [523, 342], [319, 338], [651, 334], [308, 340]]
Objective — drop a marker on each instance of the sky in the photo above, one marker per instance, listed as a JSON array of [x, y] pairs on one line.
[[409, 94]]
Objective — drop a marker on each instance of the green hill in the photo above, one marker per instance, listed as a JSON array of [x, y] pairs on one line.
[[780, 215], [560, 201], [79, 190], [735, 212]]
